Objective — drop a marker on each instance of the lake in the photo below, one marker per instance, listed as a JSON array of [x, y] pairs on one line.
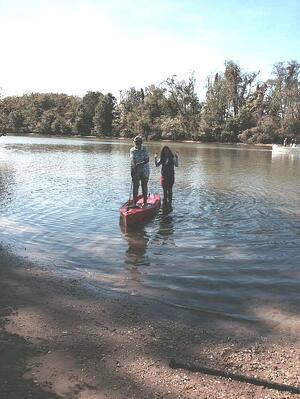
[[230, 247]]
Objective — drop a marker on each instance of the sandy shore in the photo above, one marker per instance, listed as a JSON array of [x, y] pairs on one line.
[[59, 339]]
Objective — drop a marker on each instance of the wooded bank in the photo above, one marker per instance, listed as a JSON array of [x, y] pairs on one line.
[[238, 107]]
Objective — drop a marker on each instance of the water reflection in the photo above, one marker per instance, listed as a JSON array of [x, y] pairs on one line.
[[286, 158], [136, 254], [6, 183], [167, 208], [139, 240], [164, 235]]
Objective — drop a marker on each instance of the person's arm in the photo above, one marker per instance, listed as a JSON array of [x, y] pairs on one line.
[[131, 155], [133, 163], [176, 159], [157, 162], [146, 160]]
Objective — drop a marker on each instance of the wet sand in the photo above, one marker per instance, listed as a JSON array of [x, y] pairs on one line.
[[61, 339]]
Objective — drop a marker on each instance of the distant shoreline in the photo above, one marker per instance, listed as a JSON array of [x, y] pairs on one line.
[[94, 137]]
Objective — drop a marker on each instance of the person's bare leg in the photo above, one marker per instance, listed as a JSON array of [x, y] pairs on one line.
[[170, 195], [135, 190], [145, 190], [165, 195]]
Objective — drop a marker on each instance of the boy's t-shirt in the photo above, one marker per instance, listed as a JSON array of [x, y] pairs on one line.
[[139, 155]]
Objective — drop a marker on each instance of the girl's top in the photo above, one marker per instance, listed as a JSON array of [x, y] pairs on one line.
[[167, 167]]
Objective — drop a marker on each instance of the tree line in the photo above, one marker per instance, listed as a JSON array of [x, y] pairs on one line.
[[238, 107]]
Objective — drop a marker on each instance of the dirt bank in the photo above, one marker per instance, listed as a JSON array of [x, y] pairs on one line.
[[58, 339]]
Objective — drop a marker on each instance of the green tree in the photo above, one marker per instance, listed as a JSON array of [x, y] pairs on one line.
[[226, 112], [84, 124], [183, 103], [129, 111], [16, 122], [276, 106], [173, 128], [104, 115]]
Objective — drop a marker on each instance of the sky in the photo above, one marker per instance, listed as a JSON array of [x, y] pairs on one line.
[[76, 46]]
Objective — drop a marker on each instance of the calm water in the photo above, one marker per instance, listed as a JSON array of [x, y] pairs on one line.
[[230, 246]]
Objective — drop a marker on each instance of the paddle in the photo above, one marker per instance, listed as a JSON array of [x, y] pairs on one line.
[[130, 191]]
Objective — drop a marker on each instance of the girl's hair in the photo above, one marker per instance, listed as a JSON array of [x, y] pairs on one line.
[[163, 155]]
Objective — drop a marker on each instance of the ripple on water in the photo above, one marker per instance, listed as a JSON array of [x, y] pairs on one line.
[[231, 240]]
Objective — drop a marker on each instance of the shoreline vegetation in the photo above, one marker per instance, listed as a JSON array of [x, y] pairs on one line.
[[103, 137], [238, 108], [59, 340]]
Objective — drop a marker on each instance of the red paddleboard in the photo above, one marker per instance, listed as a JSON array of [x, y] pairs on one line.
[[139, 214]]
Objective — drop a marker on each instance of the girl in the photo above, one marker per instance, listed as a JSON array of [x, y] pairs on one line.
[[167, 161]]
